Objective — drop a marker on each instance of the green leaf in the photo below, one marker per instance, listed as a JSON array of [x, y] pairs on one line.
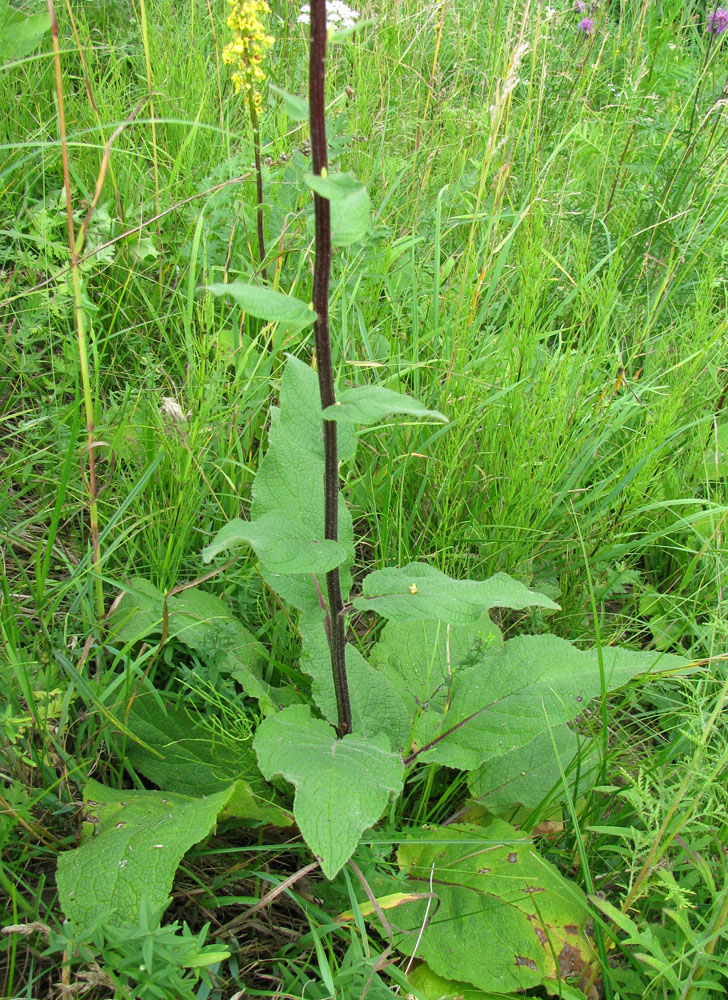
[[334, 186], [503, 918], [290, 478], [20, 33], [138, 842], [419, 661], [376, 705], [350, 219], [296, 107], [203, 623], [267, 304], [342, 786], [495, 709], [349, 205], [193, 762], [282, 544], [418, 591], [529, 772], [434, 987], [368, 404]]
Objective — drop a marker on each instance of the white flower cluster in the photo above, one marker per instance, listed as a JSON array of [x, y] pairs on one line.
[[338, 15]]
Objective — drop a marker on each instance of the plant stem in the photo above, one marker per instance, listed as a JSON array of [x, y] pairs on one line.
[[155, 158], [75, 246], [321, 275], [258, 184]]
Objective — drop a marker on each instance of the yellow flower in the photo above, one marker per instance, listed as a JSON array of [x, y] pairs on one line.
[[249, 45]]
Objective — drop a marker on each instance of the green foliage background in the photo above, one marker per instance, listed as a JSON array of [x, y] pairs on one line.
[[545, 264]]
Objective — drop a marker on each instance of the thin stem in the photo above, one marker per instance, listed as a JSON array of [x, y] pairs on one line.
[[155, 158], [258, 183], [321, 275], [75, 246]]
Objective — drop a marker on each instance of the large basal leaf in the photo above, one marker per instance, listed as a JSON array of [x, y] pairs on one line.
[[191, 761], [434, 987], [342, 786], [417, 592], [421, 659], [497, 710], [368, 404], [530, 772], [531, 687], [138, 841], [502, 919], [203, 623], [282, 544], [503, 711], [265, 303], [376, 705], [290, 479]]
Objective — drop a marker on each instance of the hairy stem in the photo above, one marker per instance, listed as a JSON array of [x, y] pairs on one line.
[[321, 274]]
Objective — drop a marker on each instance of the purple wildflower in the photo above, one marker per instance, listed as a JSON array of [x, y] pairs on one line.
[[580, 6], [586, 25], [718, 21]]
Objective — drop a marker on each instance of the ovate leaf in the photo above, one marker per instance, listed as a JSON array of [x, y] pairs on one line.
[[418, 591], [434, 987], [290, 479], [498, 710], [342, 786], [529, 772], [368, 404], [350, 218], [282, 544], [191, 761], [267, 304], [138, 841], [503, 918], [421, 660]]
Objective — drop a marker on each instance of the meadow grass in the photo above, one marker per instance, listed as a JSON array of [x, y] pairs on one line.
[[546, 264]]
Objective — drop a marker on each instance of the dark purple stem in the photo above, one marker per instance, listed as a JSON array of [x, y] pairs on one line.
[[321, 273]]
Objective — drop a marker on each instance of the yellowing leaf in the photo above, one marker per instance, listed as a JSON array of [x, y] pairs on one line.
[[503, 918]]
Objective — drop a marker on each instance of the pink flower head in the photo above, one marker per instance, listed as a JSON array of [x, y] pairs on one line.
[[580, 6], [718, 21], [586, 25]]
